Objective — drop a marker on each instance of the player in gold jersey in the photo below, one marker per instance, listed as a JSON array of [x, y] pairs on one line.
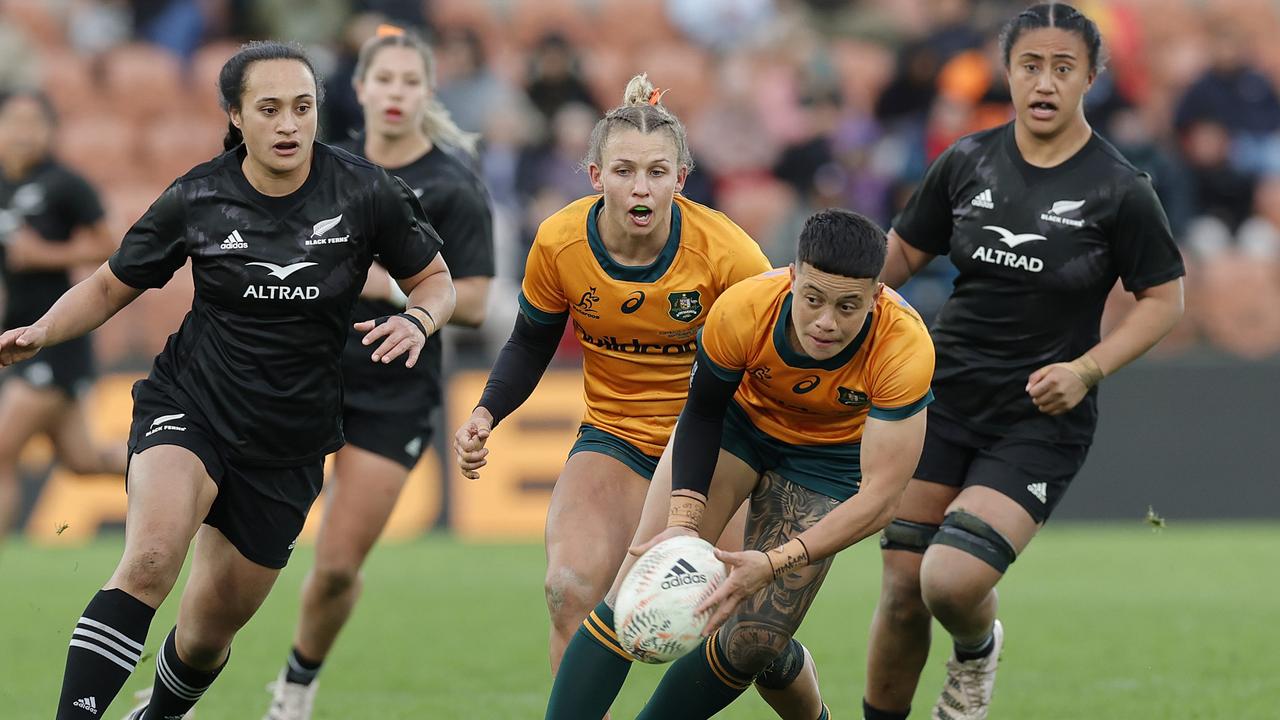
[[806, 399], [636, 268]]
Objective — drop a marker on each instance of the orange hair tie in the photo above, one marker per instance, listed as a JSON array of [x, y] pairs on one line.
[[386, 30], [655, 97]]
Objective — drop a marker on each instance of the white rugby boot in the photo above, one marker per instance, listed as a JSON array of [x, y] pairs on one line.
[[290, 701], [966, 695]]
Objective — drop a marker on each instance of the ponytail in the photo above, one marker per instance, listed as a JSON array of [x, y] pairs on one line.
[[233, 138]]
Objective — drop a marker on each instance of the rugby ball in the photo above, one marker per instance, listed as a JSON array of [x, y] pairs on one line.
[[654, 616]]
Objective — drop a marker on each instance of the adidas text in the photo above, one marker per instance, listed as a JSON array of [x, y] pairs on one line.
[[234, 242], [691, 579], [90, 704]]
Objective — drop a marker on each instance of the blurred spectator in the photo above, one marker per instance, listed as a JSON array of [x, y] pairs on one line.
[[404, 13], [1133, 137], [555, 77], [342, 112], [176, 25], [17, 62], [1221, 191], [470, 90], [721, 24], [310, 22], [96, 26], [552, 176]]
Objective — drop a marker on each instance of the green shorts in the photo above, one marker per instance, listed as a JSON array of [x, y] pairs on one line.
[[593, 439], [831, 470]]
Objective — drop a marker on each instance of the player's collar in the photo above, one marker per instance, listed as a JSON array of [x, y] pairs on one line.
[[800, 360], [633, 273]]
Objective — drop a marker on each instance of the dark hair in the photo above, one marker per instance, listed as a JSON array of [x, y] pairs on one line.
[[641, 109], [842, 242], [232, 77], [41, 99], [1055, 15]]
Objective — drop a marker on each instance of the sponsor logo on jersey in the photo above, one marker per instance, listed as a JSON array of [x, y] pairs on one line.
[[1012, 239], [282, 292], [764, 373], [683, 573], [1063, 207], [635, 346], [633, 302], [413, 447], [807, 384], [685, 306], [234, 242], [1040, 491], [323, 227], [983, 200], [852, 398], [586, 305], [164, 422]]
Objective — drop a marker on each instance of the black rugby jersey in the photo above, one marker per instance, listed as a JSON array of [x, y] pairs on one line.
[[53, 201], [258, 356], [1038, 250], [458, 205]]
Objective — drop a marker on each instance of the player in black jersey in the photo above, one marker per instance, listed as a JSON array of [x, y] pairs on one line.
[[1041, 217], [231, 427], [386, 413], [50, 222]]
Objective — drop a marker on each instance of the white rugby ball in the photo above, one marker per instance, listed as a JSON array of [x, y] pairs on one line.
[[654, 615]]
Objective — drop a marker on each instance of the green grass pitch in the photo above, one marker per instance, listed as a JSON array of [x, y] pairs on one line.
[[1103, 621]]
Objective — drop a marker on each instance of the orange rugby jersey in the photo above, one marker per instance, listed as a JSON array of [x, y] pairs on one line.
[[638, 325], [884, 373]]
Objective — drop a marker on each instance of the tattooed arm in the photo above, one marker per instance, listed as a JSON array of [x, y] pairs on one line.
[[890, 452]]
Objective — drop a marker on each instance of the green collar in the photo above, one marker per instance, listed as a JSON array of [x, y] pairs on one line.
[[633, 273], [800, 360]]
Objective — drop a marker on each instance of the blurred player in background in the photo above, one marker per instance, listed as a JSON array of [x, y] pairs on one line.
[[231, 427], [387, 408], [51, 221], [806, 398], [636, 268], [1041, 217]]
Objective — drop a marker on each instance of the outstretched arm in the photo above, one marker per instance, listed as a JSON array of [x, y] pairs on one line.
[[79, 311]]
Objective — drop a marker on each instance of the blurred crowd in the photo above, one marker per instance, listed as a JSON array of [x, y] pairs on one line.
[[791, 105]]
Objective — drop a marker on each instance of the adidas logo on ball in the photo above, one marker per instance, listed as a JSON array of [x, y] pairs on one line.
[[682, 573]]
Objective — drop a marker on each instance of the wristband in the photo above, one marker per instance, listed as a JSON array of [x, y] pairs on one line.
[[1086, 368], [787, 557], [686, 511], [434, 325]]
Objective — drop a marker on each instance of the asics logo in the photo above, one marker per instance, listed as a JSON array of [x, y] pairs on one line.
[[325, 226], [283, 272], [633, 302], [1013, 239]]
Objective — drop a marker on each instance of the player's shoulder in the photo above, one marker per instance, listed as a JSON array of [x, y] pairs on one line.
[[896, 317], [976, 145], [346, 161], [566, 226], [757, 295], [1117, 167], [709, 229]]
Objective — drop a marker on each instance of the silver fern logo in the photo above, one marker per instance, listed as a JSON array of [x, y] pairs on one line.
[[325, 226]]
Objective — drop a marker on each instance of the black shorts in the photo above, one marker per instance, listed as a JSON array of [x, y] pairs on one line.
[[66, 366], [1033, 473], [261, 510], [399, 437]]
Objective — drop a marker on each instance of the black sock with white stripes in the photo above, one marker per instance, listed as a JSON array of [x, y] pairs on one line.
[[178, 686], [104, 650], [300, 670]]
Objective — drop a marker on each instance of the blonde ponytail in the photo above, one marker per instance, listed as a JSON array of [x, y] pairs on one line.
[[643, 110]]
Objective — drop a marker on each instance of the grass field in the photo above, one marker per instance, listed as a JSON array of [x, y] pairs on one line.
[[1103, 621]]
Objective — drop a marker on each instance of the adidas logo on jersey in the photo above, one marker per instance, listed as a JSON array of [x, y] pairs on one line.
[[1040, 491], [234, 242], [983, 200], [682, 573], [90, 703]]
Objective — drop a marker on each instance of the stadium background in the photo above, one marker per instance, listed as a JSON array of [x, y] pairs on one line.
[[792, 105]]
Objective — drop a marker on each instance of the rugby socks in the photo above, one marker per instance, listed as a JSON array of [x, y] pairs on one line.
[[825, 714], [697, 686], [592, 670], [104, 650], [299, 670], [871, 713], [177, 686], [978, 650]]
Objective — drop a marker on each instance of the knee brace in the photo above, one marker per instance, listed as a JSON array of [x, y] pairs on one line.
[[784, 669], [970, 533], [906, 535]]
